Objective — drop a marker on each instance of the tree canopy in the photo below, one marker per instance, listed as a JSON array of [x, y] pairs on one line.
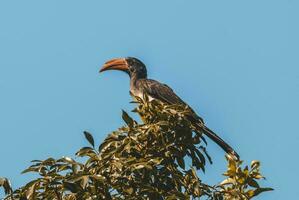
[[157, 159]]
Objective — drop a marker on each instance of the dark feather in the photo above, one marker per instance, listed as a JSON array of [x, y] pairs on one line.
[[159, 91], [165, 94]]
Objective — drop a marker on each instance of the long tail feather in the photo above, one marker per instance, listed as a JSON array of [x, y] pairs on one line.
[[213, 136]]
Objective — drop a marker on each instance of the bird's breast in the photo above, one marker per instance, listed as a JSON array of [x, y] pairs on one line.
[[140, 94]]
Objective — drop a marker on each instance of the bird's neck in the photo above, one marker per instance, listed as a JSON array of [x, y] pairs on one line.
[[133, 82], [134, 77], [134, 86]]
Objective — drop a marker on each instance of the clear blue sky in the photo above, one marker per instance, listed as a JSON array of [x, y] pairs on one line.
[[235, 62]]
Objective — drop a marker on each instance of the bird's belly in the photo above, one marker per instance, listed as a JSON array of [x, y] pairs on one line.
[[141, 95]]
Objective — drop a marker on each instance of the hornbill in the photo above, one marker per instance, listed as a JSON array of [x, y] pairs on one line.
[[140, 85]]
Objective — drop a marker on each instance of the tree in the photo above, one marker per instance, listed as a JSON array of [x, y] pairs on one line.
[[157, 159]]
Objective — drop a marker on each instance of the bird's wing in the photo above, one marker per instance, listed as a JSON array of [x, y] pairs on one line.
[[163, 93], [159, 91]]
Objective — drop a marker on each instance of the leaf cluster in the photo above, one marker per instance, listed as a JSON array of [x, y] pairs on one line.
[[5, 183], [241, 183], [157, 159]]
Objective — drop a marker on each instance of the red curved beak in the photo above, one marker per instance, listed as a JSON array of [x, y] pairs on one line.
[[116, 64]]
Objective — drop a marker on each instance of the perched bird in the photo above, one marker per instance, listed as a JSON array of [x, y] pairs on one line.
[[140, 85]]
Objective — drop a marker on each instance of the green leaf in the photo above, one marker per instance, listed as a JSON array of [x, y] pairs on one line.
[[253, 183], [30, 169], [4, 182], [89, 138], [207, 155], [130, 191], [181, 161], [129, 121], [260, 190], [30, 194], [84, 181], [85, 151], [74, 188], [255, 164]]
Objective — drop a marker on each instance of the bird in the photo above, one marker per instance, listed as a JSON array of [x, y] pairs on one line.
[[141, 85]]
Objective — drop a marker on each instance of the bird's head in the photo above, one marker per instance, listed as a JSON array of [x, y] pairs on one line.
[[130, 65]]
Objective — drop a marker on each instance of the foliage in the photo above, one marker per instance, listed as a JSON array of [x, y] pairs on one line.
[[4, 182], [157, 159], [241, 183]]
